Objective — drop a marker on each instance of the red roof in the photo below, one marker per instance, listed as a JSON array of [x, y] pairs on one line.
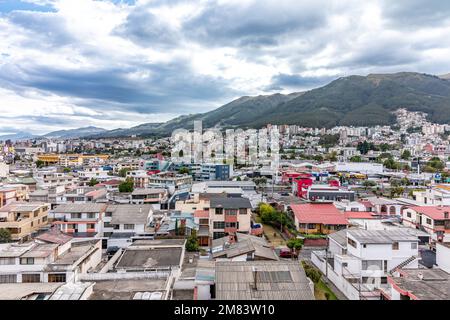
[[325, 213], [367, 204], [113, 182], [434, 212], [359, 215]]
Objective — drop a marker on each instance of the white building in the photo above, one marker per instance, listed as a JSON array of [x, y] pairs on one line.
[[4, 170], [359, 261]]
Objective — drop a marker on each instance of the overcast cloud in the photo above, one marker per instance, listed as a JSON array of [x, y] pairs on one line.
[[66, 64]]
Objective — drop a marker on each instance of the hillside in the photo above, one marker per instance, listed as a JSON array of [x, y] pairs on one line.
[[74, 133], [353, 100]]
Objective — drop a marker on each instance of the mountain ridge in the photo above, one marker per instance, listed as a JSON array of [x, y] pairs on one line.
[[353, 100]]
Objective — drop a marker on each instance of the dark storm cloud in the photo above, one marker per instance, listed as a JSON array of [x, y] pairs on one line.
[[167, 88], [259, 23], [416, 13]]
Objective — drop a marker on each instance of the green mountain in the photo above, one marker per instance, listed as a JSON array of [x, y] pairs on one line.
[[354, 100]]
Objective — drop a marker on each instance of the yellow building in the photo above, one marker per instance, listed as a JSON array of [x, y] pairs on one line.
[[71, 159], [23, 218]]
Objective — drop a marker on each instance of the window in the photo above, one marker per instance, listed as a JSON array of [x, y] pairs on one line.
[[91, 215], [231, 212], [8, 278], [90, 226], [31, 278], [217, 235], [413, 245], [408, 214], [230, 225], [384, 280], [219, 210], [204, 221], [76, 215], [128, 226], [429, 221], [116, 227], [108, 214], [311, 226], [352, 243], [243, 211], [344, 264], [44, 219], [107, 224], [57, 277], [7, 261], [26, 260], [395, 246], [219, 225]]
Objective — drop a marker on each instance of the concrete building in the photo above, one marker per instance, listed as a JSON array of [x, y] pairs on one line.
[[359, 261], [22, 219]]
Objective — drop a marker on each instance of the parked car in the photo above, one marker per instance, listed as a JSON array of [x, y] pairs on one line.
[[287, 253]]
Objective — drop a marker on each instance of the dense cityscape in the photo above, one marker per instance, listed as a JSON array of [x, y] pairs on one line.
[[358, 213]]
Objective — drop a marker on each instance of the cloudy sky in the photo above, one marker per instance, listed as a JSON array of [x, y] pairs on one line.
[[112, 63]]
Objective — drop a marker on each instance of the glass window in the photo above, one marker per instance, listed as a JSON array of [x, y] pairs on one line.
[[31, 278], [57, 277], [352, 243], [243, 211], [219, 210], [414, 245], [8, 278], [7, 261], [128, 226], [395, 246], [219, 225], [26, 260]]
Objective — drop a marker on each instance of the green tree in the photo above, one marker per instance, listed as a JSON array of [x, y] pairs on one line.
[[436, 163], [355, 159], [192, 242], [369, 184], [295, 245], [127, 186], [123, 172], [406, 155], [67, 170], [332, 156], [184, 170], [329, 140], [93, 182], [5, 236], [40, 164]]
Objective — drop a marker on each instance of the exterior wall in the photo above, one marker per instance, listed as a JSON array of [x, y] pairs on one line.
[[443, 257]]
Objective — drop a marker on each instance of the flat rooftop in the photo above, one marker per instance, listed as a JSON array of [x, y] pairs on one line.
[[126, 289], [150, 258], [425, 284]]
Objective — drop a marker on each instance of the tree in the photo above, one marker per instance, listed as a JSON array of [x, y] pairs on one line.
[[332, 156], [93, 182], [329, 140], [295, 245], [67, 170], [192, 242], [406, 155], [5, 236], [369, 184], [127, 186], [363, 147], [184, 170], [123, 172], [436, 164], [40, 164], [355, 159]]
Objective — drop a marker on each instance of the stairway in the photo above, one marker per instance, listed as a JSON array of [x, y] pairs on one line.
[[404, 263]]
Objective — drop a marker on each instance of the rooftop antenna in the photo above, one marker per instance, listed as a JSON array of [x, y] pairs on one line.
[[255, 278]]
